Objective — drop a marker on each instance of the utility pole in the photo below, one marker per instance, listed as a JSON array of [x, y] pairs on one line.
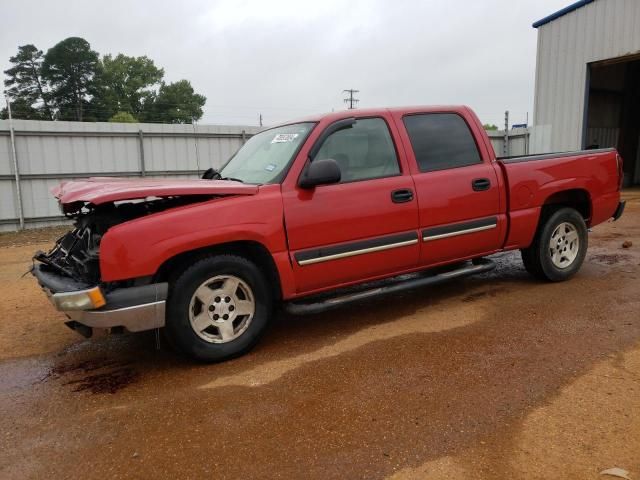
[[195, 141], [505, 145], [351, 101], [15, 163], [260, 117]]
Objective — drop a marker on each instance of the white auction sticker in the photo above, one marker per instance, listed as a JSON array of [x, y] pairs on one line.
[[284, 137]]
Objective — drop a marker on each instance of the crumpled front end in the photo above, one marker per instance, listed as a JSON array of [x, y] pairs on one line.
[[69, 273]]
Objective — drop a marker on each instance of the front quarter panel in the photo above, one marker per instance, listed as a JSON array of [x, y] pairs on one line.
[[139, 247]]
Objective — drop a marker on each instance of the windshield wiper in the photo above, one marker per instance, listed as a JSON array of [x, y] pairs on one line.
[[213, 174], [232, 179]]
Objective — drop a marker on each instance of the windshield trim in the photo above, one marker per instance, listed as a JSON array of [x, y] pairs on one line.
[[282, 175]]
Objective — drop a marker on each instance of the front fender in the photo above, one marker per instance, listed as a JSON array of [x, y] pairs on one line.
[[138, 248]]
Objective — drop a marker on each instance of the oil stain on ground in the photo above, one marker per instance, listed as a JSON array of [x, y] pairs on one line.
[[96, 375]]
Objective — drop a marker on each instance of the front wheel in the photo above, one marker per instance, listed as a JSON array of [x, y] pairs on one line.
[[218, 308], [559, 247]]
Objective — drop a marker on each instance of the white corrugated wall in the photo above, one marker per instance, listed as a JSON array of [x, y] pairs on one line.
[[600, 30], [48, 152]]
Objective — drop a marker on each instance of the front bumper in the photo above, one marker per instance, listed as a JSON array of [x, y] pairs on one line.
[[133, 308]]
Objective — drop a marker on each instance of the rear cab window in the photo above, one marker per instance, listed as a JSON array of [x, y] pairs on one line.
[[441, 141]]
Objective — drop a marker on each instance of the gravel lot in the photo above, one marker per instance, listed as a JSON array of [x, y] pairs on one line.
[[495, 376]]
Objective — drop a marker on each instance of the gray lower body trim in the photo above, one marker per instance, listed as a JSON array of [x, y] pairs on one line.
[[358, 252], [134, 308], [360, 247], [436, 233], [135, 318]]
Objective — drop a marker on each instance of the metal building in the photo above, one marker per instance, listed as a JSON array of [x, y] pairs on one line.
[[587, 90]]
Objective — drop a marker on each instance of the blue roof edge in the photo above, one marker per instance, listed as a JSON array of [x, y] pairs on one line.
[[560, 13]]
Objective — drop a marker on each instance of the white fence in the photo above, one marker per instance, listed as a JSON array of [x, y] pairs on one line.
[[48, 152], [515, 142]]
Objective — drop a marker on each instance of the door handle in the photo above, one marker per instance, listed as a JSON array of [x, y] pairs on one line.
[[401, 196], [480, 184]]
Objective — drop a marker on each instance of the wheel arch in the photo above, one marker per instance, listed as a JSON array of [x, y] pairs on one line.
[[576, 198], [252, 250]]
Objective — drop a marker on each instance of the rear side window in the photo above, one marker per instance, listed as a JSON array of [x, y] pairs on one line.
[[441, 141]]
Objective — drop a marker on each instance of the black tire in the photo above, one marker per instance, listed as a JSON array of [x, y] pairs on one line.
[[178, 325], [537, 258]]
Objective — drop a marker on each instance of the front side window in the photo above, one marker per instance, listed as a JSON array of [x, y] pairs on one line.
[[441, 141], [266, 155], [363, 151]]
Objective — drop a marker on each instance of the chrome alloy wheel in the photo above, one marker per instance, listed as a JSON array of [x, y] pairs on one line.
[[564, 245], [221, 309]]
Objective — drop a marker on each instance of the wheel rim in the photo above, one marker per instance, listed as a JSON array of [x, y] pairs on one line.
[[564, 245], [221, 309]]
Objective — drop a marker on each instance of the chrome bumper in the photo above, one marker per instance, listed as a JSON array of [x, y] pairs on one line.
[[136, 318], [134, 308]]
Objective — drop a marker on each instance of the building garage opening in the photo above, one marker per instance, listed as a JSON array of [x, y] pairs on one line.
[[613, 113]]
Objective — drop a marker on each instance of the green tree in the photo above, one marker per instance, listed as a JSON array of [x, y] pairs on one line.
[[26, 87], [70, 67], [123, 117], [176, 103], [70, 82], [23, 109], [126, 84], [490, 126]]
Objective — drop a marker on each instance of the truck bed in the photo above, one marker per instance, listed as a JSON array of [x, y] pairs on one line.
[[546, 156], [571, 178]]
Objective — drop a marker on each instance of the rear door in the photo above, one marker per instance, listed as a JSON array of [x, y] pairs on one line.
[[363, 227], [458, 191]]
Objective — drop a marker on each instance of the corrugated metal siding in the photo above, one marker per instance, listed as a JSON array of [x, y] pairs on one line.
[[58, 150], [603, 136], [598, 31], [518, 141]]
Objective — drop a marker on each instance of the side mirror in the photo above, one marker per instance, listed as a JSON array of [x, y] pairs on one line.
[[320, 172]]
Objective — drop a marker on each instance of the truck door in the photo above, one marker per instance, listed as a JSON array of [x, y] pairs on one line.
[[363, 227], [458, 192]]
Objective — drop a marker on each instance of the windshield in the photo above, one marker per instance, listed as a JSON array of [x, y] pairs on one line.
[[266, 155]]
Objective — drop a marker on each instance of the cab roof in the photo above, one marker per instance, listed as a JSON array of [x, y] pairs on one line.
[[372, 112]]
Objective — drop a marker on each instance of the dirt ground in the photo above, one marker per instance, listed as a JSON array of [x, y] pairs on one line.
[[495, 376]]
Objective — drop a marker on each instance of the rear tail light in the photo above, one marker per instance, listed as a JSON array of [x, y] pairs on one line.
[[620, 172]]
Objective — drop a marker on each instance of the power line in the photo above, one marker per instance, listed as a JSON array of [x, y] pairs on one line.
[[351, 100]]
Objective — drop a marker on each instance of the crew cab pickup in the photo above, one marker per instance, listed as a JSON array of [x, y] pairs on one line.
[[314, 214]]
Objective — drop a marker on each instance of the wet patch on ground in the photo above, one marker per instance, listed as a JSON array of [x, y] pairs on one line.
[[454, 372]]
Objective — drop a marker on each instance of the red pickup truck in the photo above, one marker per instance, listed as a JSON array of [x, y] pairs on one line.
[[315, 214]]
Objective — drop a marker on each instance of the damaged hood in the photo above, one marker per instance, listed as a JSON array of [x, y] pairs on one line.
[[98, 190]]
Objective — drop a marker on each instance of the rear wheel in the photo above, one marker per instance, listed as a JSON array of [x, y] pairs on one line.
[[559, 247], [218, 308]]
